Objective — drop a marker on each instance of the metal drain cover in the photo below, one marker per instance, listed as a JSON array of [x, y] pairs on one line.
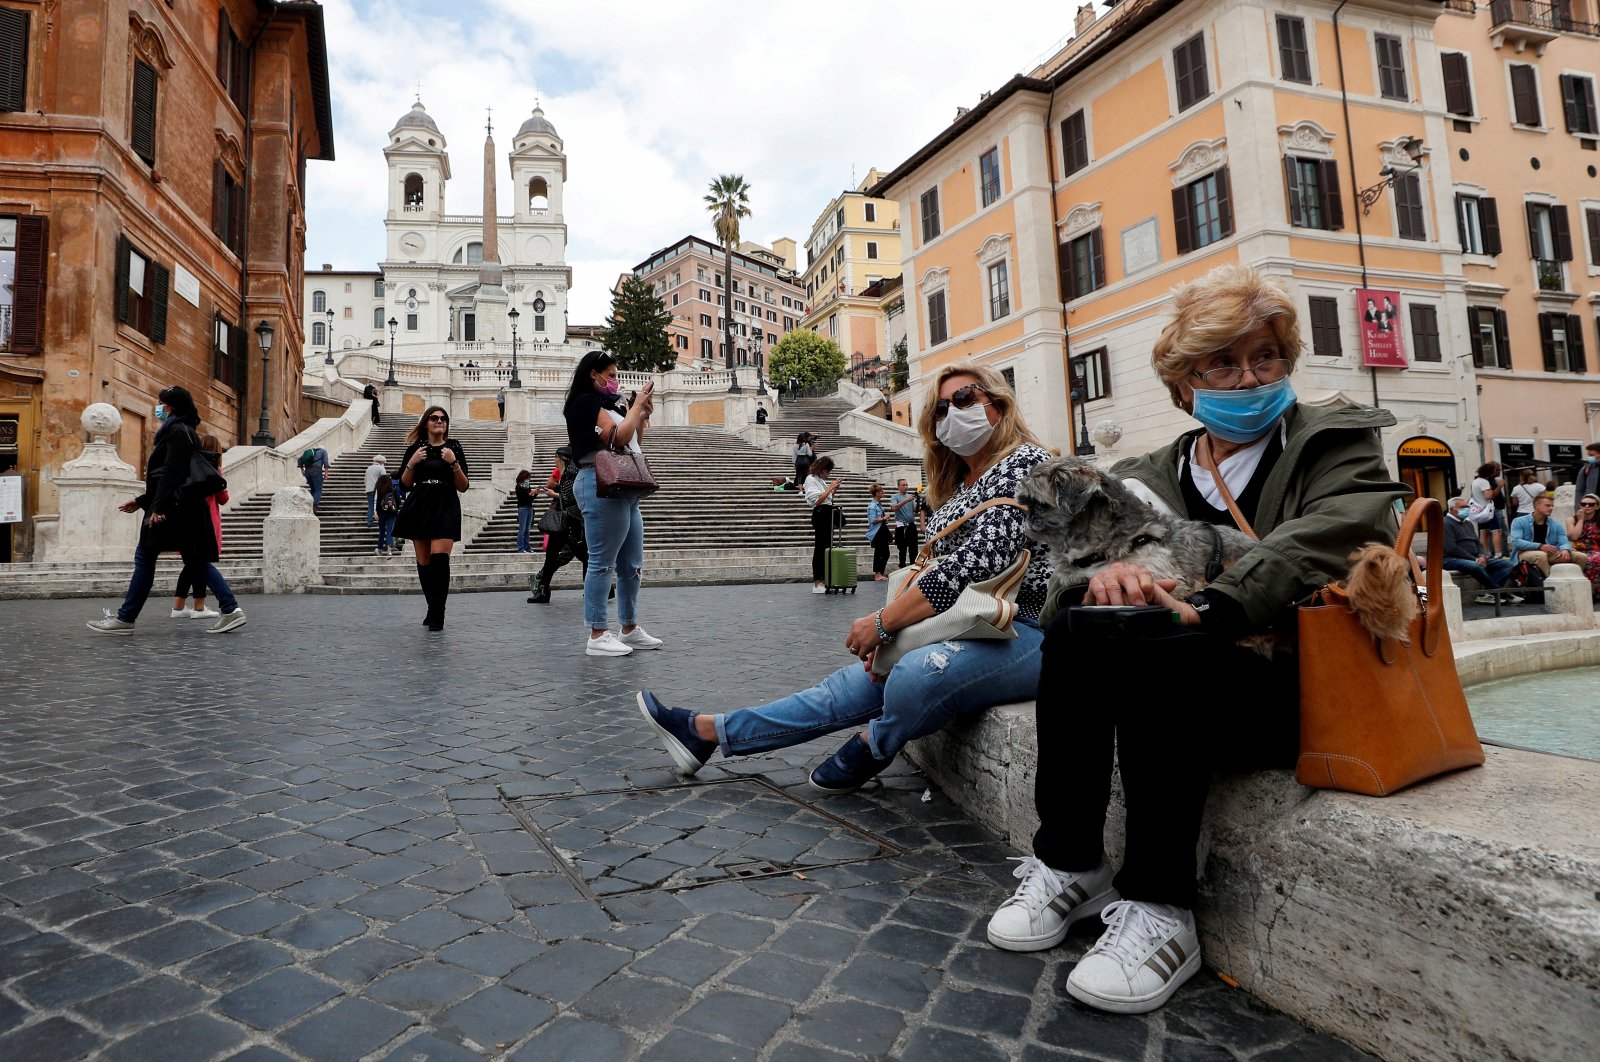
[[685, 836]]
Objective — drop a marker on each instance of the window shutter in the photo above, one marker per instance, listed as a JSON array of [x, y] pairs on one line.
[[144, 112], [1547, 340], [1532, 211], [1064, 267], [1489, 219], [1332, 202], [1524, 95], [1584, 89], [1182, 222], [13, 60], [1569, 103], [219, 200], [236, 208], [1461, 222], [160, 281], [1291, 182], [27, 322], [1592, 217], [224, 46], [1562, 232], [1577, 360], [1457, 92], [1224, 202], [1474, 336], [1502, 338], [236, 352], [124, 251], [1097, 260]]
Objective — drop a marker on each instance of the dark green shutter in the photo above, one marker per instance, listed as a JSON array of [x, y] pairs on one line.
[[161, 283], [1502, 338], [32, 262], [1577, 360], [219, 200], [1474, 336], [1592, 219], [1332, 200], [1224, 202], [13, 60], [1064, 269], [1182, 220], [1547, 341], [1532, 211], [1097, 260], [1569, 104], [1489, 219], [124, 253], [1562, 230], [1291, 183], [144, 112], [1461, 223], [1457, 89]]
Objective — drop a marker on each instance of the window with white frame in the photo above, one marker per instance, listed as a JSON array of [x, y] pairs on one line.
[[999, 291], [1477, 223], [989, 175]]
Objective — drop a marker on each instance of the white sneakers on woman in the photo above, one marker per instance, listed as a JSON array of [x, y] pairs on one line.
[[609, 644], [1145, 953]]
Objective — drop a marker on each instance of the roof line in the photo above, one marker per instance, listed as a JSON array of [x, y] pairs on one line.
[[317, 60]]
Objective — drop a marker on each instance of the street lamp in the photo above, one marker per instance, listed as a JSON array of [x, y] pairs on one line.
[[516, 381], [391, 381], [329, 359], [263, 435], [1413, 148], [1084, 447], [755, 350]]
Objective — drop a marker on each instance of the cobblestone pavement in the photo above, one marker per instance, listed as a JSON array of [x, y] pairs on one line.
[[315, 839]]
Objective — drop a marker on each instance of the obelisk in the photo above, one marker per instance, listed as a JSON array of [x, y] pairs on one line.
[[491, 301]]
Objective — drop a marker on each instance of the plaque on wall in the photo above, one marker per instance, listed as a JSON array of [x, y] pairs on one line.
[[1141, 246], [186, 284]]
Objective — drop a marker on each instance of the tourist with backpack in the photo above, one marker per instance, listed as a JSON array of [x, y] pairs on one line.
[[190, 580], [179, 482], [388, 505], [314, 467]]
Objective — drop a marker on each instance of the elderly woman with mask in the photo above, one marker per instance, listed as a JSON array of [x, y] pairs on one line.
[[1178, 703]]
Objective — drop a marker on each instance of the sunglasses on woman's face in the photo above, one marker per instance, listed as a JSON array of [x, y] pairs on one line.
[[439, 416], [961, 399]]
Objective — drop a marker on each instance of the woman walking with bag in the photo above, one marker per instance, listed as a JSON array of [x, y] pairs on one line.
[[190, 579], [977, 449], [179, 480], [564, 542], [878, 535], [613, 526], [434, 476]]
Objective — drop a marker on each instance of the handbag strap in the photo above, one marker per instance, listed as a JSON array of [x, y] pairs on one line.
[[925, 554], [1202, 451], [1428, 512]]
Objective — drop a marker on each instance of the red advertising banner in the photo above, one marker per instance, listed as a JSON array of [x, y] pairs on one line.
[[1383, 341]]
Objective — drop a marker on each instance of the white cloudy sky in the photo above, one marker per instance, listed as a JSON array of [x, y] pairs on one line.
[[652, 100]]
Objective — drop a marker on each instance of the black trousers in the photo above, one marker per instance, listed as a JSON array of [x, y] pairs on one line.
[[880, 550], [905, 536], [556, 556], [1214, 705], [821, 538]]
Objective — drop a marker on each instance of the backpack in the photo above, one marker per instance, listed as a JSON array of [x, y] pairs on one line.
[[308, 459], [389, 504]]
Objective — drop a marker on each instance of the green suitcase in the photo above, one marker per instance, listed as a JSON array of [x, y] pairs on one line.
[[841, 569]]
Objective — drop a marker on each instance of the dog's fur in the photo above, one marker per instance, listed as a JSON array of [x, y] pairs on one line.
[[1091, 520]]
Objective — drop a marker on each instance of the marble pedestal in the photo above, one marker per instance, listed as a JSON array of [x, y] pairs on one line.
[[291, 544]]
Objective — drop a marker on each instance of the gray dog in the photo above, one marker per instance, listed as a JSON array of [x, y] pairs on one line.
[[1090, 519]]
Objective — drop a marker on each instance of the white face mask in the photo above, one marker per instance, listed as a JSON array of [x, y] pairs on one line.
[[965, 431]]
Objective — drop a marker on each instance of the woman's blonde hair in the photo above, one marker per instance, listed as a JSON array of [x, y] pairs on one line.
[[945, 467], [1215, 312]]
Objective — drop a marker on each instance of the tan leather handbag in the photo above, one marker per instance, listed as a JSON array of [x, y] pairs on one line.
[[1376, 715]]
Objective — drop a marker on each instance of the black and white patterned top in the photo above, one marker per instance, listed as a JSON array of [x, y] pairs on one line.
[[988, 543]]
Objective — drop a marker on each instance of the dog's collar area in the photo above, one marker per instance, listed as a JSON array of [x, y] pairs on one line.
[[1140, 541], [1090, 561], [1214, 566]]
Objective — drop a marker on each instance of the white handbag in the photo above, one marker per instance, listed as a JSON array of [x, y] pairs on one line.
[[985, 609]]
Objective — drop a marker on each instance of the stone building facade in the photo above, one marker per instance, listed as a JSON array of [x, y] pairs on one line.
[[152, 214], [853, 247]]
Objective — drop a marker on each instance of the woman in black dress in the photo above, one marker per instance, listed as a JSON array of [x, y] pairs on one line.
[[435, 477]]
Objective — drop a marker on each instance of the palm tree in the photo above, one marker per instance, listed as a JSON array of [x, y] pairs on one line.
[[728, 201]]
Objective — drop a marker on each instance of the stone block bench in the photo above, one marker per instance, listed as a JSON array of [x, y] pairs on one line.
[[1456, 919]]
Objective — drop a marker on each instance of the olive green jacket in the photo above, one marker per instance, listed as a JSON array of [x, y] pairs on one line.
[[1329, 494]]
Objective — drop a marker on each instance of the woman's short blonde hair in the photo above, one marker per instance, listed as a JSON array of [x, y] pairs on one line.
[[945, 468], [1215, 312]]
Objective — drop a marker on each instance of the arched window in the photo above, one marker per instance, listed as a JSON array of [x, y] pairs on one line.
[[377, 317], [414, 191], [538, 196], [319, 332], [472, 254], [319, 301]]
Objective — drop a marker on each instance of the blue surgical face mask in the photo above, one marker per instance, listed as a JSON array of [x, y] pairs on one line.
[[1591, 459], [1243, 416], [161, 412]]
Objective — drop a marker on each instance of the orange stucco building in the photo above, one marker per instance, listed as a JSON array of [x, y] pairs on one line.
[[1046, 227], [152, 213]]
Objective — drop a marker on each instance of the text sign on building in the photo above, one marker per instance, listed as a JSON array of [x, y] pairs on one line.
[[1515, 455], [1565, 456], [10, 499], [1424, 446], [186, 284], [1383, 343]]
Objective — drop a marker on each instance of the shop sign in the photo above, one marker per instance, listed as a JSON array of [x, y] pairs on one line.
[[1423, 446], [1516, 455], [1383, 343], [1565, 455]]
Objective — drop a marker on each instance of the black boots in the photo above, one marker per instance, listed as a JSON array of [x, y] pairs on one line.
[[435, 579], [541, 592]]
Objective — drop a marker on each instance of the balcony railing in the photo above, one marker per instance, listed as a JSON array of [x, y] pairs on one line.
[[1532, 14], [1550, 275]]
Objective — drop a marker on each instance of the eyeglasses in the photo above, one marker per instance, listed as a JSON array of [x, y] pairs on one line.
[[962, 399], [1267, 370], [439, 416], [1587, 505]]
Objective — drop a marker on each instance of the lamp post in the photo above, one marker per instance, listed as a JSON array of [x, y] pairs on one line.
[[516, 381], [1084, 447], [263, 435], [391, 381], [328, 335], [1413, 147], [755, 350]]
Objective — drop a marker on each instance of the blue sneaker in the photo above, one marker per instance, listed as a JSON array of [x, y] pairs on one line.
[[675, 726], [848, 769]]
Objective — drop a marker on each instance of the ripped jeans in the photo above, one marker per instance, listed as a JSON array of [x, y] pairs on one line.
[[922, 694], [615, 531]]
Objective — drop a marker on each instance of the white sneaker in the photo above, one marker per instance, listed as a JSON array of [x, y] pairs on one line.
[[110, 624], [205, 613], [1139, 961], [231, 622], [182, 613], [818, 588], [639, 638], [607, 644], [1046, 904]]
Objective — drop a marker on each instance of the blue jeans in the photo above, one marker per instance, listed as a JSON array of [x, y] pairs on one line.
[[144, 577], [1498, 569], [386, 530], [372, 507], [314, 481], [923, 693], [615, 531], [524, 521]]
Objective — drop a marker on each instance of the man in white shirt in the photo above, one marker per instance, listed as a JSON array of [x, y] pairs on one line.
[[374, 471]]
